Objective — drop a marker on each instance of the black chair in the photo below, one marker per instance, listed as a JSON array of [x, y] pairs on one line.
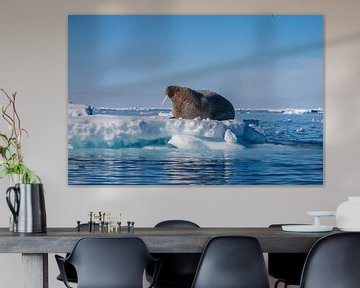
[[232, 262], [178, 269], [108, 263], [286, 267], [70, 273], [69, 269], [333, 262], [176, 224]]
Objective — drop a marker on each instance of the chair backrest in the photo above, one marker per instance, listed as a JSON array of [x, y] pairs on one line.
[[286, 267], [178, 269], [176, 224], [110, 262], [333, 262], [232, 262]]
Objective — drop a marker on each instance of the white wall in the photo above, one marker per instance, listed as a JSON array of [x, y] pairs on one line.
[[33, 62]]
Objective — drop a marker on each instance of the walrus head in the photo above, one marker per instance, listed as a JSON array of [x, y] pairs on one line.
[[186, 102], [171, 90]]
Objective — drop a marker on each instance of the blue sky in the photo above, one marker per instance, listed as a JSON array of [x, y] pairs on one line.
[[255, 61]]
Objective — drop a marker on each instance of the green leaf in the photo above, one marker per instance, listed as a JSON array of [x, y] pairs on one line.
[[4, 137], [33, 178], [26, 132], [28, 176], [4, 173], [13, 156], [3, 151]]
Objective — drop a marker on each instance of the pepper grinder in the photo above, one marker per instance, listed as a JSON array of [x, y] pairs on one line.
[[78, 226], [90, 221], [130, 226]]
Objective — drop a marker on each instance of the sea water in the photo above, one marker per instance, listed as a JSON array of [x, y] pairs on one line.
[[146, 147]]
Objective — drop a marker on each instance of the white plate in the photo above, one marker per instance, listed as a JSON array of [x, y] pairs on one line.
[[306, 228], [350, 229], [321, 213]]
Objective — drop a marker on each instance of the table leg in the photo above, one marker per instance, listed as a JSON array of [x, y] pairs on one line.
[[35, 270]]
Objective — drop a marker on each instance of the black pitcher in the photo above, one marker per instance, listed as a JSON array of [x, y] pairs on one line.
[[28, 208]]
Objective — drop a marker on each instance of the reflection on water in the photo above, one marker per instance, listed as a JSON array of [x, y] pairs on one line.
[[265, 164]]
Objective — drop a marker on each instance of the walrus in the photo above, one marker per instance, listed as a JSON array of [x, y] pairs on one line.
[[189, 104]]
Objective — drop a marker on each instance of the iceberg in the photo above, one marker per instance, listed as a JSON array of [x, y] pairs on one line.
[[76, 110], [88, 130], [193, 143]]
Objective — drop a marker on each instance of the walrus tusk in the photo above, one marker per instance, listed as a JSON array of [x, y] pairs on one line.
[[163, 102]]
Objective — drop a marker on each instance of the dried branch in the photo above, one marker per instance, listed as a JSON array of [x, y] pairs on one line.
[[10, 152]]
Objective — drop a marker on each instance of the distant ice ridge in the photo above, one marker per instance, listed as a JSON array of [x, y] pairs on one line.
[[108, 131], [288, 111]]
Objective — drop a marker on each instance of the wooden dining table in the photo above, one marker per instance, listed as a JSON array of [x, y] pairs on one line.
[[35, 247]]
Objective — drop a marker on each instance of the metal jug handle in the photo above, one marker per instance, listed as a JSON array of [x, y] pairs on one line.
[[13, 208]]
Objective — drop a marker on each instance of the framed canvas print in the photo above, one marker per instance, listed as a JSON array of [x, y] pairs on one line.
[[195, 99]]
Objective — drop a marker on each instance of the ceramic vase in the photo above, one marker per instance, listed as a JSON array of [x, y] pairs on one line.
[[348, 215]]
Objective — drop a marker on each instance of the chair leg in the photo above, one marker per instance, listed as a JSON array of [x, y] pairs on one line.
[[278, 282]]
